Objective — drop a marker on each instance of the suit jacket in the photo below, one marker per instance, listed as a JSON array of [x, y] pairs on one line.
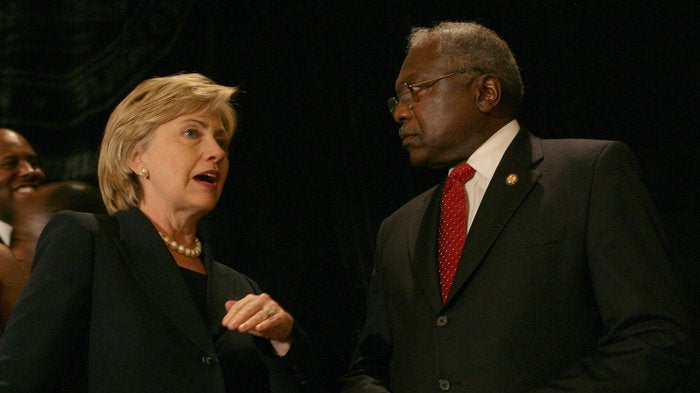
[[107, 310], [564, 285]]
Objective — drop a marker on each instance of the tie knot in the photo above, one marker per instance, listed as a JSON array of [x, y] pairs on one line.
[[462, 173]]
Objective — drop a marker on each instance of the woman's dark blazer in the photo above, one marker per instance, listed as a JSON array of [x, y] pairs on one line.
[[564, 285], [107, 310]]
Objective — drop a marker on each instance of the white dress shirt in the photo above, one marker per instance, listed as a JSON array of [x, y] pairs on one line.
[[5, 232], [485, 160]]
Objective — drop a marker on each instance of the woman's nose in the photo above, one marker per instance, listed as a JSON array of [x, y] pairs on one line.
[[215, 151]]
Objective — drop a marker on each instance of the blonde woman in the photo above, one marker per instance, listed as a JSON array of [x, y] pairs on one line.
[[134, 301]]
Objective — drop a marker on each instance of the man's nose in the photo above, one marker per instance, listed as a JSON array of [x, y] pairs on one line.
[[25, 166], [401, 113], [28, 169]]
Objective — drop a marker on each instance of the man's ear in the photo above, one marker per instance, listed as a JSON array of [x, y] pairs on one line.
[[489, 95]]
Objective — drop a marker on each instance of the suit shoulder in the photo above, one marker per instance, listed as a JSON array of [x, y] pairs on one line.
[[72, 220], [414, 204], [583, 146], [586, 150]]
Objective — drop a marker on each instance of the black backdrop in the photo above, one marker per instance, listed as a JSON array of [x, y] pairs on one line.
[[316, 163]]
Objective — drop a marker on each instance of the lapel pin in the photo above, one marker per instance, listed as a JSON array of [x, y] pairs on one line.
[[512, 179]]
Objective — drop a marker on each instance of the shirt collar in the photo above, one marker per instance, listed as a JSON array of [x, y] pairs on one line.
[[5, 232], [487, 157]]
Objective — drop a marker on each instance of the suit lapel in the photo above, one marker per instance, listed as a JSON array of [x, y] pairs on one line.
[[422, 244], [155, 269], [500, 202]]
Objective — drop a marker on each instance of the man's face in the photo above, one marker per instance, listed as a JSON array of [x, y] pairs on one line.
[[443, 127], [19, 173]]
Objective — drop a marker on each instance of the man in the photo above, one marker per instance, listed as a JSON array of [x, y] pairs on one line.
[[19, 176], [563, 282]]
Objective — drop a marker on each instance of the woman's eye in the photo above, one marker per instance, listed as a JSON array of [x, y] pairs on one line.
[[191, 133], [223, 143]]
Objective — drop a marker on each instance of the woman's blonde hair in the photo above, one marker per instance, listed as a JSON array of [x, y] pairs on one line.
[[132, 124]]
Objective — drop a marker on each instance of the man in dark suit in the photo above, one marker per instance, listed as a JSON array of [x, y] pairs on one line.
[[562, 279], [19, 177]]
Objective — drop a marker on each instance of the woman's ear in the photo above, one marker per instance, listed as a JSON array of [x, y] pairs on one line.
[[489, 93], [135, 161]]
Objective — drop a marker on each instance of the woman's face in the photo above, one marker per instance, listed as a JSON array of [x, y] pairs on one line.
[[187, 164]]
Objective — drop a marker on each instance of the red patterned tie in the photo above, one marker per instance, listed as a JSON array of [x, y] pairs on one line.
[[453, 225]]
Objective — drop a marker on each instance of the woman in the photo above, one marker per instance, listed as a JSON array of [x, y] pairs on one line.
[[134, 302]]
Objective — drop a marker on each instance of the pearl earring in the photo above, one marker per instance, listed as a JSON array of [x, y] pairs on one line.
[[144, 173]]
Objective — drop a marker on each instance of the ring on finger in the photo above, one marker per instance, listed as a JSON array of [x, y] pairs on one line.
[[270, 310]]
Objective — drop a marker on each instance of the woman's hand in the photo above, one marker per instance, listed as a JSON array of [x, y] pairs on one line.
[[260, 316]]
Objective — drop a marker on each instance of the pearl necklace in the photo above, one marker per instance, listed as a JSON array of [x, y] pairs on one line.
[[180, 249]]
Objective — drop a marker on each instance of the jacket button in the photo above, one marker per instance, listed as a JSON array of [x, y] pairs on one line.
[[441, 321], [208, 360], [444, 385]]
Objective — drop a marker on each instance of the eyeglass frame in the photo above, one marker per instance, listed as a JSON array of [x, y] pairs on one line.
[[394, 101]]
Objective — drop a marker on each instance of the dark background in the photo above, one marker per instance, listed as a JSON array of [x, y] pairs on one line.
[[316, 163]]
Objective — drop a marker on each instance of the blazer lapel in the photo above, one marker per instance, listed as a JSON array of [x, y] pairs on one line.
[[222, 285], [154, 268], [422, 246], [502, 198]]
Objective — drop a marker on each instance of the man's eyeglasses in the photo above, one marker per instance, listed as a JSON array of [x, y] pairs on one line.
[[408, 94]]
